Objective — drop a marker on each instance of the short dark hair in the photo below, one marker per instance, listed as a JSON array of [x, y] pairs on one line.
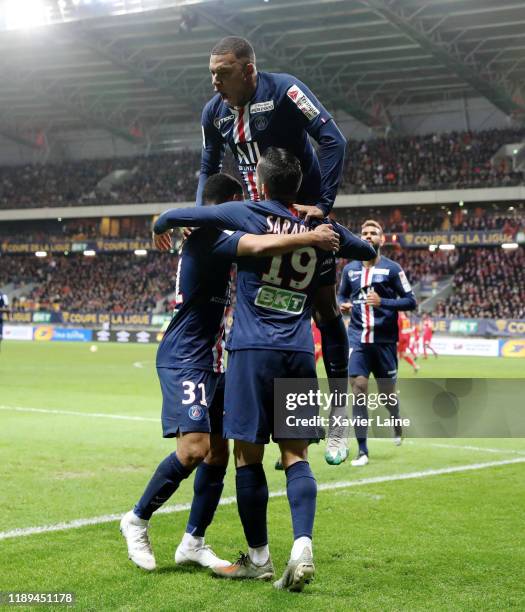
[[221, 188], [281, 173], [240, 47]]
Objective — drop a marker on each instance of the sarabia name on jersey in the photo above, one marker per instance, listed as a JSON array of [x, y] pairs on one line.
[[274, 294], [369, 324], [281, 113]]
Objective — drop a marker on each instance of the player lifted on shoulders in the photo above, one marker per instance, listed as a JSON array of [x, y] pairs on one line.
[[403, 345], [373, 292], [271, 338], [190, 368], [254, 110]]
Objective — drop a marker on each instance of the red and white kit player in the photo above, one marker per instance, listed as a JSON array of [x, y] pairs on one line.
[[403, 344], [428, 331], [414, 339]]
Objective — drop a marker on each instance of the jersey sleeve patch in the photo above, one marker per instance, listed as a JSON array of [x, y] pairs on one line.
[[303, 102], [404, 282]]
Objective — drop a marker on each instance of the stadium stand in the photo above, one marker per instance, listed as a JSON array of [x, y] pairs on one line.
[[125, 283], [108, 282], [488, 283], [505, 217], [412, 163]]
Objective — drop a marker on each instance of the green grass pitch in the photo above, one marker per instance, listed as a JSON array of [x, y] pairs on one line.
[[449, 541]]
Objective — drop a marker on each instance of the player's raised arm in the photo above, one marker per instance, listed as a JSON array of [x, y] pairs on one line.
[[232, 216], [406, 299], [332, 144], [213, 147], [353, 247]]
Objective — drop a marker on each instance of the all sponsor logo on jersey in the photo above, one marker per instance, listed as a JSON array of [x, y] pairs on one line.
[[281, 300], [248, 153], [219, 122], [261, 107], [362, 297], [303, 102]]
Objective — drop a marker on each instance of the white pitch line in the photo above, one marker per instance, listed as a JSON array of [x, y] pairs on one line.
[[123, 417], [227, 501], [468, 447], [100, 415], [471, 448]]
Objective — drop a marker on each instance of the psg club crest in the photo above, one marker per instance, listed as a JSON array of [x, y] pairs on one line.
[[196, 413], [261, 123]]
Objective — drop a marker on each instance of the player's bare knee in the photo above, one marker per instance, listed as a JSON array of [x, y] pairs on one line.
[[246, 453], [192, 448], [219, 452], [293, 451], [359, 385]]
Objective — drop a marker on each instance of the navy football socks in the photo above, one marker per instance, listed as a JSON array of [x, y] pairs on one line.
[[334, 342], [207, 490], [165, 481], [360, 414], [301, 489], [252, 503]]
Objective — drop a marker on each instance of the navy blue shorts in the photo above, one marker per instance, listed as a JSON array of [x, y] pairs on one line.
[[190, 401], [249, 396], [378, 359]]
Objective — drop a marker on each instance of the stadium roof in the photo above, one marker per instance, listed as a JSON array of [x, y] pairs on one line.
[[135, 67]]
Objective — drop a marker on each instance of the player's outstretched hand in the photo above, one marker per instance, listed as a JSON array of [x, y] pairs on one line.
[[309, 212], [325, 237], [162, 242], [186, 232], [346, 307]]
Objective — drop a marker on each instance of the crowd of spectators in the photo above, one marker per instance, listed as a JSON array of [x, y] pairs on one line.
[[105, 283], [75, 229], [488, 283], [502, 217], [455, 160], [434, 161], [420, 265], [170, 177]]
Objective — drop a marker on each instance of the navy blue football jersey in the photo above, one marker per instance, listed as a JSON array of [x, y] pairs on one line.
[[283, 112], [367, 323], [195, 336], [274, 294]]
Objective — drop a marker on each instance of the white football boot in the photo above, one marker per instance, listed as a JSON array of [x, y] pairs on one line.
[[360, 461], [200, 554], [135, 532]]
